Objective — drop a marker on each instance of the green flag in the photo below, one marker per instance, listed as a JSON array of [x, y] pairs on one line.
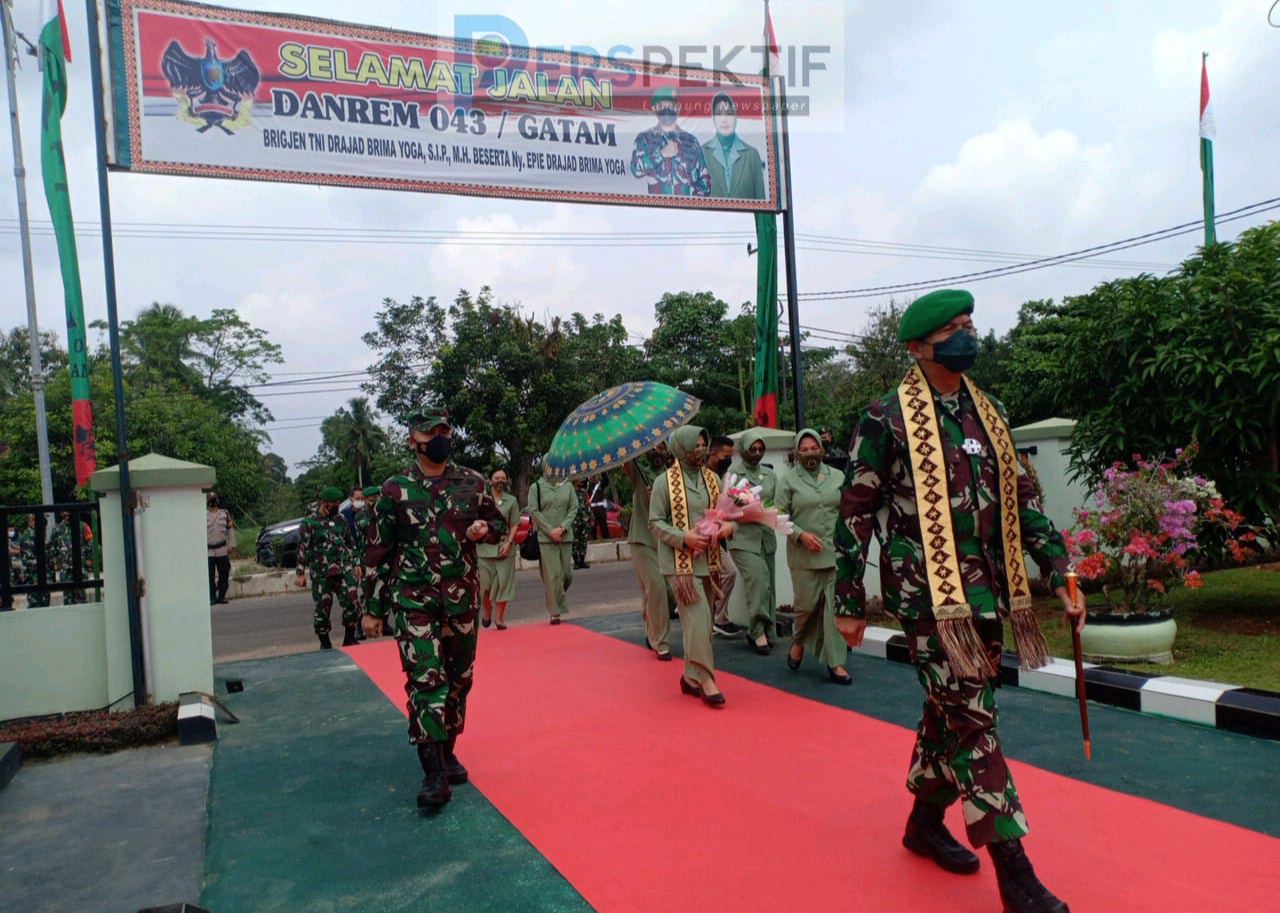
[[54, 53], [766, 408], [765, 413]]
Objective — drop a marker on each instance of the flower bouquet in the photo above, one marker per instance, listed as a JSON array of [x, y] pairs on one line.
[[739, 502]]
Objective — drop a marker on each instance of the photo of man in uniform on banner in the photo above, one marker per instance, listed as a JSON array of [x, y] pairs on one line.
[[668, 157]]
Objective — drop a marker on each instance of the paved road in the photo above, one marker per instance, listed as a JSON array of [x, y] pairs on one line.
[[276, 625]]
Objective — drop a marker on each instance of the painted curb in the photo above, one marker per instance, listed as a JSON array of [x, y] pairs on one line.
[[1232, 708], [10, 762]]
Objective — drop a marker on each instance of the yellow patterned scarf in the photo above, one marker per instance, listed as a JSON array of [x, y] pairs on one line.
[[956, 631], [685, 588]]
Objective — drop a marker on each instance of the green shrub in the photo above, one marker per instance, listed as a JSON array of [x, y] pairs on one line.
[[95, 731]]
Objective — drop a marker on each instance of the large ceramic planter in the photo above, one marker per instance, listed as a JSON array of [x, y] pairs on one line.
[[1138, 638]]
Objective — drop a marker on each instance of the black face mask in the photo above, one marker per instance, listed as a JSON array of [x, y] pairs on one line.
[[721, 466], [437, 449], [667, 118], [957, 352]]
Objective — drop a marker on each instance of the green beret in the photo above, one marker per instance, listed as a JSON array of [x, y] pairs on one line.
[[663, 93], [424, 418], [371, 491], [331, 493], [928, 312]]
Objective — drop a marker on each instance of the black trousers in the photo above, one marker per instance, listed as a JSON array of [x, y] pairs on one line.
[[221, 569]]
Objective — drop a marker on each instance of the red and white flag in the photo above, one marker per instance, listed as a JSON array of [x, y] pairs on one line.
[[55, 18], [772, 59]]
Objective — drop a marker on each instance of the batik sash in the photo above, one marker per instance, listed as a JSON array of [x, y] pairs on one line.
[[686, 588], [956, 631]]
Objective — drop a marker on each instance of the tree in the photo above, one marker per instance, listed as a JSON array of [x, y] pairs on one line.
[[1149, 364], [15, 360], [507, 379], [355, 436], [217, 359], [696, 349]]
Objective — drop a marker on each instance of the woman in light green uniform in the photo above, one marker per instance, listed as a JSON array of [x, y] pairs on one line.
[[754, 546], [498, 562], [688, 559], [552, 507], [809, 492]]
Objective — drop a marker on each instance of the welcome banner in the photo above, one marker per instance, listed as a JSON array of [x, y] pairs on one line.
[[207, 91]]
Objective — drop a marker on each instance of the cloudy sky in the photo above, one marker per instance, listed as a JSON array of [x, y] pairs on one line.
[[1006, 127]]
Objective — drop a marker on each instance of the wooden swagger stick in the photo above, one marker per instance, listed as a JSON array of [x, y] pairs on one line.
[[1075, 647]]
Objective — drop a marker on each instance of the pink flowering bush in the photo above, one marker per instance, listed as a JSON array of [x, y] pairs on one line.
[[1148, 530]]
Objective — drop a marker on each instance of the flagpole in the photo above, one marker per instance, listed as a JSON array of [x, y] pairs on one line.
[[140, 695], [24, 230], [789, 244], [1207, 128]]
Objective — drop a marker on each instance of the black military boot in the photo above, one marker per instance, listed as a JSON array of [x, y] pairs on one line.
[[927, 836], [453, 768], [349, 638], [1020, 889], [435, 790], [325, 642]]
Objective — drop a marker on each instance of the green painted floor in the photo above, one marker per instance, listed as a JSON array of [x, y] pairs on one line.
[[1216, 774], [311, 809]]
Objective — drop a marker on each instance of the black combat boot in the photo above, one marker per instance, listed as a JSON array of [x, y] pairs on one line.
[[325, 643], [927, 836], [453, 768], [349, 638], [435, 790], [1020, 890]]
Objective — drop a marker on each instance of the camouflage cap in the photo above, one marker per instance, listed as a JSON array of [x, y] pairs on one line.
[[331, 493], [424, 418], [371, 490], [663, 93], [928, 312]]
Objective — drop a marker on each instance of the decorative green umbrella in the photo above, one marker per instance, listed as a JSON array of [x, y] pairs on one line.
[[616, 426]]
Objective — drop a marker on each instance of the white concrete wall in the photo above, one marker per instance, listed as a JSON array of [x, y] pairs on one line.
[[52, 660], [173, 561]]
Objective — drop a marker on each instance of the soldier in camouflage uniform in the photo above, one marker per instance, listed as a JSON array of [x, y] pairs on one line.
[[668, 157], [30, 566], [62, 548], [420, 578], [364, 514], [582, 522], [957, 753], [326, 547]]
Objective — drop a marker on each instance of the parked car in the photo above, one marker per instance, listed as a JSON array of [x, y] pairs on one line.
[[278, 544], [612, 520]]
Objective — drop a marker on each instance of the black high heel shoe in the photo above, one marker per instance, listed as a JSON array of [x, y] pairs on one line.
[[793, 663], [845, 679], [762, 650], [689, 688]]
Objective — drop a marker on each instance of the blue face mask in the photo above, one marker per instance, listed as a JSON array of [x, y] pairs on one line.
[[957, 352], [667, 118]]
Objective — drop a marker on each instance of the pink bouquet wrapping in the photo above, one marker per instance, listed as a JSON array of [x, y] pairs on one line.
[[739, 502]]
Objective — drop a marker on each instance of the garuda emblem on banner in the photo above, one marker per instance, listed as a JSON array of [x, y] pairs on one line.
[[211, 92]]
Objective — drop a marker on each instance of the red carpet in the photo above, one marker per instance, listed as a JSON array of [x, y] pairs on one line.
[[646, 800]]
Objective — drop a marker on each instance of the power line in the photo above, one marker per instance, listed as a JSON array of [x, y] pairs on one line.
[[1045, 262]]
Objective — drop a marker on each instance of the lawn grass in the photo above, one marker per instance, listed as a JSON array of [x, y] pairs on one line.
[[1228, 630]]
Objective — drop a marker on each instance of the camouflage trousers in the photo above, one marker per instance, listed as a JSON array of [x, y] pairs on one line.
[[438, 655], [324, 590], [581, 534], [957, 753]]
